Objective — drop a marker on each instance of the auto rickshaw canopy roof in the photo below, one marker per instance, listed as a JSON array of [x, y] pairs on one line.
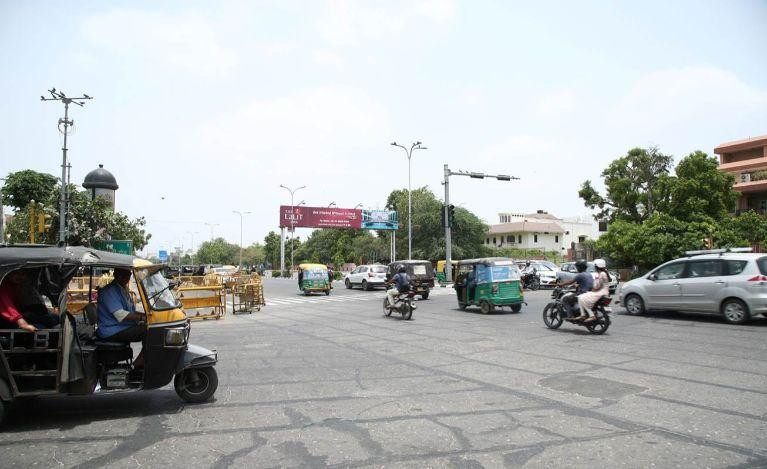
[[487, 261], [13, 257], [313, 267]]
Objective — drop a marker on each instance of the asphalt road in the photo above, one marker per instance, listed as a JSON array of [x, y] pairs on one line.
[[330, 381]]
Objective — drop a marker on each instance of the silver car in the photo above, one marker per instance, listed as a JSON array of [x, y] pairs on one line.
[[731, 284], [569, 267]]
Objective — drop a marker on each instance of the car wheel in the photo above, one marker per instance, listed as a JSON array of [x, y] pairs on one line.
[[348, 284], [634, 304], [365, 285], [735, 311]]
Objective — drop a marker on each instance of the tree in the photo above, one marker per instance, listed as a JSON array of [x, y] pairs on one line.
[[701, 189], [428, 234], [89, 221], [218, 251], [272, 249], [637, 186], [253, 254], [24, 186]]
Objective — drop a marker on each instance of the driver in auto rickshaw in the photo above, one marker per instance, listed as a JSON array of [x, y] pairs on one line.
[[118, 320]]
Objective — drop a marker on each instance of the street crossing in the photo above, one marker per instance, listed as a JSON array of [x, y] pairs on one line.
[[339, 297]]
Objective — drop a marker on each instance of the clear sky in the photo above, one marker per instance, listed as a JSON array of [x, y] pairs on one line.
[[203, 107]]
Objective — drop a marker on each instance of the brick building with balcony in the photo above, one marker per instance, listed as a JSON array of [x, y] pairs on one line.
[[747, 160]]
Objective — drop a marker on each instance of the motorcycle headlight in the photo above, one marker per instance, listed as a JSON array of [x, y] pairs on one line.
[[175, 337]]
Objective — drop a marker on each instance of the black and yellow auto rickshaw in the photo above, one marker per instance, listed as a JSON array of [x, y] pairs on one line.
[[421, 275], [313, 278], [70, 358], [489, 283]]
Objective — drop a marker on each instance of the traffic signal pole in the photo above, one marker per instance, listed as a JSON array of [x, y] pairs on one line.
[[448, 241], [447, 211]]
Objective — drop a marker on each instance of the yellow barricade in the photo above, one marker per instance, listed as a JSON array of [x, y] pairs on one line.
[[203, 302], [247, 297]]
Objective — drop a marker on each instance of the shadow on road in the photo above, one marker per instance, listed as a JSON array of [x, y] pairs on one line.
[[65, 413], [758, 321]]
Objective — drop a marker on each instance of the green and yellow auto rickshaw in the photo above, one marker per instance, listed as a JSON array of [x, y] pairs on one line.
[[442, 273], [489, 283], [313, 278]]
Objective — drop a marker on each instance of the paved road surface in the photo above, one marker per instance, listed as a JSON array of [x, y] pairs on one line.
[[329, 381]]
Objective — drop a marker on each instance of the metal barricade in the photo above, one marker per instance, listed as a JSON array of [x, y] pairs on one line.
[[247, 297], [203, 302]]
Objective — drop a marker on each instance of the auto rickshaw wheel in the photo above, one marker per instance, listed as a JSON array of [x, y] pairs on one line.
[[425, 295], [3, 410], [461, 306], [196, 384], [486, 307], [327, 292], [516, 308]]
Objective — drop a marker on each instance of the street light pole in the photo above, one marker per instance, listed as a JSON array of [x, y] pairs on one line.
[[80, 101], [241, 214], [211, 226], [409, 153], [292, 228], [446, 211], [192, 233]]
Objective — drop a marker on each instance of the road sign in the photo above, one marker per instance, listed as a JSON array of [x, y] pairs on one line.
[[120, 246], [162, 255]]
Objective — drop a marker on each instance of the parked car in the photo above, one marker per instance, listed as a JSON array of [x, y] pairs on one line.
[[569, 268], [367, 277], [732, 284], [547, 272]]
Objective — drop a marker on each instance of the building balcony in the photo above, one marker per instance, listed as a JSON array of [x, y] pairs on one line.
[[752, 164], [751, 186]]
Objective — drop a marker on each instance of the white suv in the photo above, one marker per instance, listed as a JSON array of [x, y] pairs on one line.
[[367, 277], [731, 284]]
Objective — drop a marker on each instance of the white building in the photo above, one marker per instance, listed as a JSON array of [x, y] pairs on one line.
[[541, 231]]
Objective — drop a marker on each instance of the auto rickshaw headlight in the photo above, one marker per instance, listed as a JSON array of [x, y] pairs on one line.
[[175, 337]]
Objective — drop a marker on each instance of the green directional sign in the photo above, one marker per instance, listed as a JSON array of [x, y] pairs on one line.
[[120, 246]]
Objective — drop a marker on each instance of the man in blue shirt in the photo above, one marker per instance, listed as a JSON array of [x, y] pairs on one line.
[[583, 280], [118, 320], [401, 283]]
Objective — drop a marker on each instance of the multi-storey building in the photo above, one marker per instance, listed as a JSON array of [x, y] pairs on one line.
[[747, 160]]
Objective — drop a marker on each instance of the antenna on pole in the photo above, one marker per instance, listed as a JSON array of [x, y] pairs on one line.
[[57, 95]]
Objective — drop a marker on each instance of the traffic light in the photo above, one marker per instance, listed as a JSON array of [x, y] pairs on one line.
[[442, 216], [450, 215]]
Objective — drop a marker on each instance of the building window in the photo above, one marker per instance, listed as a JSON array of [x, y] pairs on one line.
[[519, 238], [493, 240], [535, 238], [581, 239], [556, 238], [487, 241], [602, 226], [510, 239]]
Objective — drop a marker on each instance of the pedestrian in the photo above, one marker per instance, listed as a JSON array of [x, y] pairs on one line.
[[330, 277]]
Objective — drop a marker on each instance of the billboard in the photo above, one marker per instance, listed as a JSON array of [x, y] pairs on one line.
[[324, 217]]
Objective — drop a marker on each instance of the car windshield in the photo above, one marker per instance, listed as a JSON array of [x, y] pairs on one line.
[[157, 290]]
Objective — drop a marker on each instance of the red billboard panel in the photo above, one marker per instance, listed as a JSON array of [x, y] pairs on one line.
[[319, 217]]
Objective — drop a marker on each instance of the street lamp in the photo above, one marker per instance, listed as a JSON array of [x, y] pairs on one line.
[[241, 214], [192, 233], [211, 225], [332, 204], [409, 153], [292, 227], [357, 206]]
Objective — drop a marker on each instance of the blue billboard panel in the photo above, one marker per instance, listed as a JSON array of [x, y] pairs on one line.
[[379, 220], [162, 255]]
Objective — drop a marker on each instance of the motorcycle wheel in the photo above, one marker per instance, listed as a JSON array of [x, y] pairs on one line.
[[535, 284], [386, 309], [551, 316], [599, 327], [407, 311]]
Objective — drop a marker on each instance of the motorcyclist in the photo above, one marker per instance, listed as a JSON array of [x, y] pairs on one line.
[[584, 283], [401, 283]]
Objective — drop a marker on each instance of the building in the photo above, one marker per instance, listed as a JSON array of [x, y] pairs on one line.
[[747, 160], [540, 231]]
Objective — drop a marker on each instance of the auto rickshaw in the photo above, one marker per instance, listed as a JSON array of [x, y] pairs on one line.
[[489, 283], [421, 275], [71, 359], [441, 275], [313, 278]]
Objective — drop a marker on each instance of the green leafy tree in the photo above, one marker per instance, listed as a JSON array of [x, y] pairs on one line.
[[218, 251], [699, 188], [637, 185], [21, 187], [253, 254], [272, 249], [428, 234]]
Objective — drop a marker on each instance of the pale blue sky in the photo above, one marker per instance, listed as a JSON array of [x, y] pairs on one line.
[[213, 105]]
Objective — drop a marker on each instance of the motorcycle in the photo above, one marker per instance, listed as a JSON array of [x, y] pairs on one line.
[[531, 280], [403, 304], [565, 305]]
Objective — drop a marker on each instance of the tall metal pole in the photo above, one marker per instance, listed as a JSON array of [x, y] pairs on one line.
[[448, 240], [409, 153], [241, 214], [292, 224], [2, 214], [80, 101], [282, 250]]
